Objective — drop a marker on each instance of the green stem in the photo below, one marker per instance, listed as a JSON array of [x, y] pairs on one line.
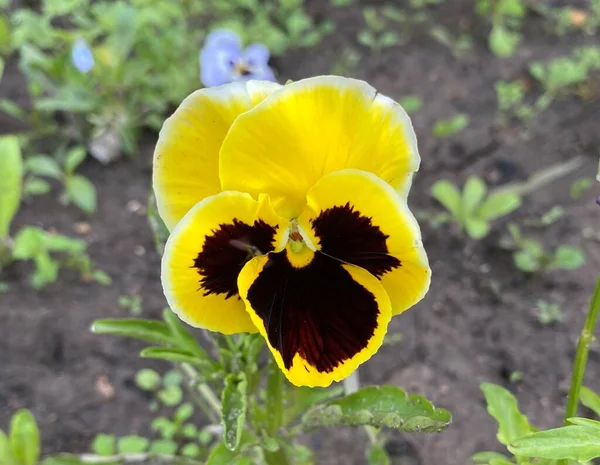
[[279, 457], [351, 385], [275, 380], [206, 398], [583, 347]]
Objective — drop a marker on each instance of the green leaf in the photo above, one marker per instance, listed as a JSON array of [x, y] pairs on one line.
[[376, 455], [473, 194], [233, 415], [191, 450], [28, 243], [104, 445], [503, 406], [448, 195], [11, 167], [503, 42], [568, 257], [24, 438], [164, 447], [35, 186], [74, 158], [221, 455], [386, 406], [43, 165], [526, 262], [580, 443], [301, 398], [486, 458], [170, 396], [6, 457], [147, 379], [411, 103], [450, 126], [183, 337], [81, 192], [132, 444], [590, 399], [498, 205], [146, 330], [584, 422], [477, 228], [175, 355], [183, 412]]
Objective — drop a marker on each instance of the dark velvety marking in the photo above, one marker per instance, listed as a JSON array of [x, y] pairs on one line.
[[317, 311], [227, 250], [348, 236]]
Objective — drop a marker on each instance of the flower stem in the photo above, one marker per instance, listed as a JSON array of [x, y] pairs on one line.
[[207, 400], [583, 347]]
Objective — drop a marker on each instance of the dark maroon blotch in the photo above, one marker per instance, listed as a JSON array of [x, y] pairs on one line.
[[227, 250]]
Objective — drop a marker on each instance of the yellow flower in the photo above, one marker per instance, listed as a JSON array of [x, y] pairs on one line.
[[288, 216]]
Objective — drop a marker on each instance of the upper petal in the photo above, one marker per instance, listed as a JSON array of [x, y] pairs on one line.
[[355, 217], [217, 65], [187, 152], [321, 318], [256, 55], [313, 127], [205, 254], [223, 38]]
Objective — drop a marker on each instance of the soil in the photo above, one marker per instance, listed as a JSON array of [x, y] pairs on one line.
[[477, 324]]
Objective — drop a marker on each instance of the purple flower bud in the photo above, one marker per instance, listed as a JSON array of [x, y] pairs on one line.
[[82, 56]]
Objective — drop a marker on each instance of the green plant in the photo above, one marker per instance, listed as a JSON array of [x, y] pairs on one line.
[[77, 189], [459, 46], [22, 445], [510, 95], [411, 103], [548, 313], [473, 209], [577, 442], [451, 126], [376, 35], [563, 74], [506, 17], [530, 256], [32, 243], [132, 303]]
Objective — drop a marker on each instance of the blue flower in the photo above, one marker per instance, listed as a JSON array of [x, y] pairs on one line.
[[222, 60], [82, 56]]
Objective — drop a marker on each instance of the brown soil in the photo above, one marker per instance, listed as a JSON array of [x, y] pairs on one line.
[[478, 322]]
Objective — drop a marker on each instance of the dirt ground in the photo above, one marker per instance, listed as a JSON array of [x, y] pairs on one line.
[[478, 322]]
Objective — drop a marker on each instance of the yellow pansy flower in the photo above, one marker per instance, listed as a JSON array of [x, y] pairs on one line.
[[288, 216]]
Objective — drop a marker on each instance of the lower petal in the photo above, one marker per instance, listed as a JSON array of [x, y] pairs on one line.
[[321, 318], [205, 254], [357, 218]]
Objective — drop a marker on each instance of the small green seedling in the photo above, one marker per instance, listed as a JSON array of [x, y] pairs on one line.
[[473, 209], [411, 103], [77, 188], [132, 303], [375, 35], [506, 17], [548, 313], [451, 126], [459, 45], [22, 445], [530, 256], [511, 95]]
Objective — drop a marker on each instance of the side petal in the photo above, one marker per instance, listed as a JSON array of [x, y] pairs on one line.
[[321, 318], [186, 157], [355, 217], [205, 254], [313, 127]]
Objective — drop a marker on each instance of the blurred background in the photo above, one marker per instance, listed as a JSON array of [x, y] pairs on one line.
[[505, 99]]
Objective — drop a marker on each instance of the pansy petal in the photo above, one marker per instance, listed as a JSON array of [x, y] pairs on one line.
[[205, 254], [217, 66], [256, 55], [313, 127], [321, 318], [187, 152], [357, 218], [223, 38]]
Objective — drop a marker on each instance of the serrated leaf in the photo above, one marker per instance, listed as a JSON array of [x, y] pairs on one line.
[[24, 438], [233, 415], [448, 195], [11, 167], [301, 398], [382, 406], [503, 406], [580, 443], [590, 399], [473, 194], [498, 205], [145, 330], [43, 165], [81, 192]]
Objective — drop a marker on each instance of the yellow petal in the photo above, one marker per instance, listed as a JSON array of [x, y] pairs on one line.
[[321, 318], [207, 250], [313, 127], [187, 153], [357, 218]]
